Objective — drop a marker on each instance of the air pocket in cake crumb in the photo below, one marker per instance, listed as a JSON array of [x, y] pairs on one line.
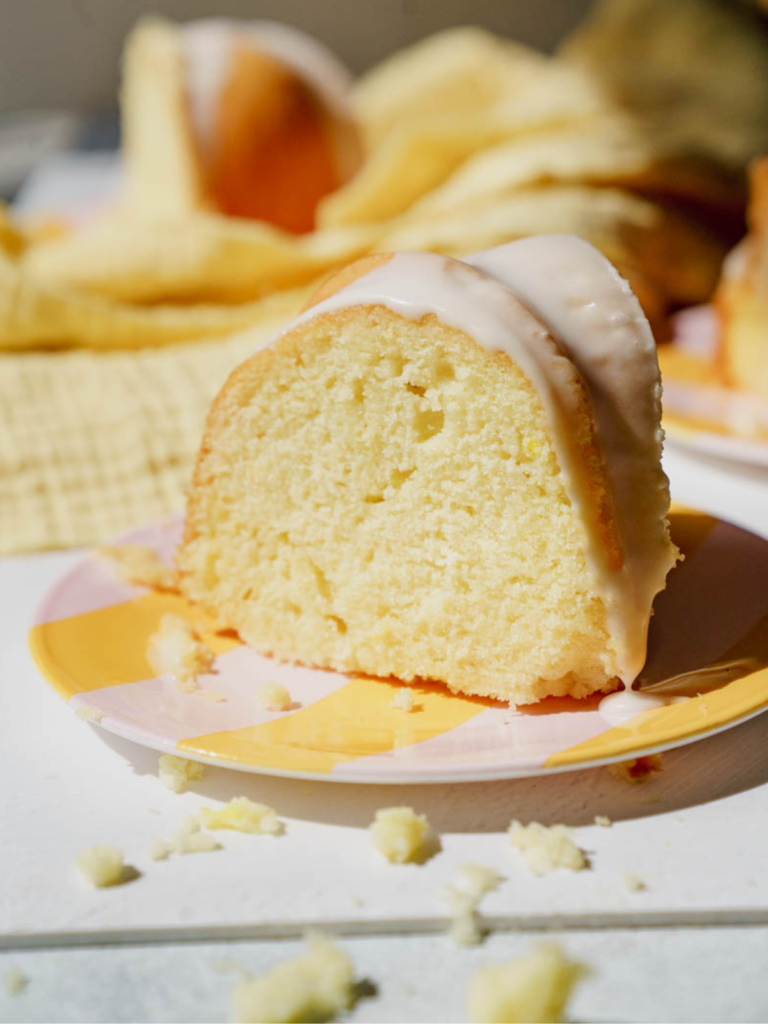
[[427, 423]]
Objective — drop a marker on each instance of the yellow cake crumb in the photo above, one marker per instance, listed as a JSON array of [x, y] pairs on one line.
[[315, 986], [400, 834], [638, 769], [242, 815], [602, 821], [463, 898], [228, 965], [175, 772], [102, 865], [188, 838], [88, 714], [176, 650], [533, 988], [546, 848], [403, 699], [209, 695], [135, 563], [633, 882], [14, 982], [273, 697]]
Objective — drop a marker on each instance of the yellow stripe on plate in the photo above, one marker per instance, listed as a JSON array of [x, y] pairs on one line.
[[689, 529], [107, 647], [675, 722], [355, 721]]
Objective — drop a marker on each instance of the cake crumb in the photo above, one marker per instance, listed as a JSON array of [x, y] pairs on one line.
[[88, 714], [209, 695], [547, 848], [273, 697], [14, 982], [188, 838], [403, 699], [175, 772], [463, 898], [602, 821], [175, 650], [318, 985], [633, 882], [638, 769], [533, 988], [242, 815], [102, 866], [135, 563], [401, 835], [228, 965]]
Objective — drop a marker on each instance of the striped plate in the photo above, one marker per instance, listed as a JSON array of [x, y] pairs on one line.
[[708, 645]]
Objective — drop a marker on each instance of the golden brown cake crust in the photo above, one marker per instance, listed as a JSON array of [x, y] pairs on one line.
[[271, 155], [344, 277]]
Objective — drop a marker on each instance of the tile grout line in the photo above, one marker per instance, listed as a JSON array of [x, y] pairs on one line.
[[271, 931]]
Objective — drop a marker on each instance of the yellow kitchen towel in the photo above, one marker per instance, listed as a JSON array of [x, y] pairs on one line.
[[92, 444]]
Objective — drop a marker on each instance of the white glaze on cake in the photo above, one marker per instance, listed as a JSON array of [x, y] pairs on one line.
[[209, 44], [594, 315], [579, 313]]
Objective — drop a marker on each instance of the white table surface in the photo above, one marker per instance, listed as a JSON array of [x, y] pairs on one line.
[[692, 946]]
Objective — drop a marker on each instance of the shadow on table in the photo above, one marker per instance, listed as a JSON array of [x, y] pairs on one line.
[[713, 769], [710, 624], [710, 628]]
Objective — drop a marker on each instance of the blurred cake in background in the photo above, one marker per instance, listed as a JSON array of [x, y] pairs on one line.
[[742, 297], [250, 119], [716, 371], [693, 74]]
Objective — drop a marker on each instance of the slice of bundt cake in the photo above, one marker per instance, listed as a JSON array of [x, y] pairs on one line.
[[447, 470]]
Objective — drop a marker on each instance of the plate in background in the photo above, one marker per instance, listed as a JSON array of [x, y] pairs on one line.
[[700, 414]]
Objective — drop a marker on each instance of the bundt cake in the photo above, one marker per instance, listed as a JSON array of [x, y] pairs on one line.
[[249, 119], [445, 470], [742, 296]]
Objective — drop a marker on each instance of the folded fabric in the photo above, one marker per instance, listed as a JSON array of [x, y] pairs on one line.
[[93, 444]]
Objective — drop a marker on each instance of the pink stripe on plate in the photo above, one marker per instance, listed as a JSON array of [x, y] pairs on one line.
[[156, 712], [93, 583], [496, 739]]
